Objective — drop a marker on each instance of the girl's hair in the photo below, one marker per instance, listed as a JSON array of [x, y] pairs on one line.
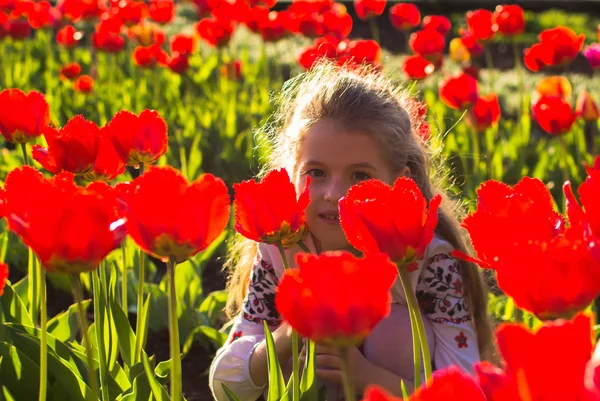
[[361, 99]]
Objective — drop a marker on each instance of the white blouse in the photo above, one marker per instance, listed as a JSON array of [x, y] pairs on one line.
[[439, 290]]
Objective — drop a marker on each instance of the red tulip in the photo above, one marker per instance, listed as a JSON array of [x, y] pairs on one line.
[[588, 217], [108, 164], [178, 63], [508, 20], [130, 12], [82, 229], [337, 21], [138, 139], [3, 25], [417, 67], [547, 268], [485, 113], [428, 43], [68, 36], [405, 16], [270, 211], [173, 219], [78, 9], [471, 43], [149, 57], [22, 116], [322, 47], [161, 11], [459, 92], [374, 218], [107, 37], [3, 276], [183, 44], [19, 29], [439, 23], [480, 24], [216, 32], [84, 84], [529, 368], [366, 9], [40, 15], [447, 384], [533, 57], [274, 26], [358, 52], [553, 114], [559, 46], [72, 148], [335, 298], [70, 71]]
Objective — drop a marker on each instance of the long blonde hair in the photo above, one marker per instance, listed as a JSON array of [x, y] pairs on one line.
[[361, 99]]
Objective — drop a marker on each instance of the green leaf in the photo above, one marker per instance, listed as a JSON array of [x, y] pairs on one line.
[[144, 322], [13, 308], [276, 382], [158, 391], [20, 375], [213, 305], [5, 395], [124, 333], [308, 383], [65, 326], [229, 393], [209, 337], [509, 309]]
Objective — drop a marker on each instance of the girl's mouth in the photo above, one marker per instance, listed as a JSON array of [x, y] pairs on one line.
[[330, 218]]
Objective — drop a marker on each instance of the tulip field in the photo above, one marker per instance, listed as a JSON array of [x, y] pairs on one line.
[[131, 129]]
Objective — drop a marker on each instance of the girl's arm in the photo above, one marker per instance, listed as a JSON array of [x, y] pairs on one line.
[[258, 360]]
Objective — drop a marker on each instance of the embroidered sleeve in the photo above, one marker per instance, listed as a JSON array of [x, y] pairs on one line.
[[259, 304], [440, 293], [231, 364]]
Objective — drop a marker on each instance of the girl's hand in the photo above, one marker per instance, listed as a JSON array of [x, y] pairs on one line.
[[329, 365]]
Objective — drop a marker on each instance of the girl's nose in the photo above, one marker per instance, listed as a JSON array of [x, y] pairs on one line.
[[335, 190]]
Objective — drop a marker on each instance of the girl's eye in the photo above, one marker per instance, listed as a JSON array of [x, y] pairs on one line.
[[315, 172], [360, 176]]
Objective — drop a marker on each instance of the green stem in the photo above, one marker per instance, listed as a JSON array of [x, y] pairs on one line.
[[303, 246], [43, 337], [99, 332], [83, 324], [295, 361], [520, 73], [140, 300], [374, 28], [176, 388], [124, 302], [25, 155], [32, 285], [476, 155], [416, 351], [419, 330], [349, 393]]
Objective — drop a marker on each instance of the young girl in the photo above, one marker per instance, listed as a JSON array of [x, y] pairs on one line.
[[340, 127]]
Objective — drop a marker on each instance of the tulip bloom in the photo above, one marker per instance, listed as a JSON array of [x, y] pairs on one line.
[[405, 16], [22, 116], [586, 108], [358, 52], [138, 139], [555, 86], [428, 43], [529, 367], [547, 268], [215, 32], [450, 384], [68, 36], [485, 113], [366, 9], [554, 115], [439, 23], [82, 229], [588, 217], [592, 54], [562, 45], [270, 211], [508, 20], [150, 56], [375, 218], [417, 67], [70, 71], [178, 63], [534, 57], [172, 219], [161, 11], [459, 92], [182, 44], [3, 276], [84, 84], [335, 298], [72, 148], [480, 24]]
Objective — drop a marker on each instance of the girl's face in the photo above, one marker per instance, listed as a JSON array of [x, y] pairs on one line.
[[335, 160]]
